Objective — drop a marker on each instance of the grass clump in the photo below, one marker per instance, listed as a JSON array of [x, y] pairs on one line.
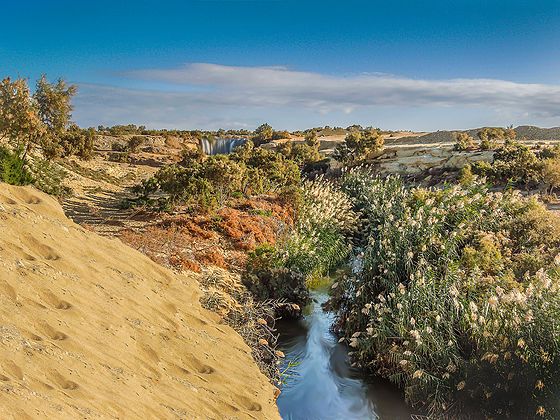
[[316, 244], [455, 297]]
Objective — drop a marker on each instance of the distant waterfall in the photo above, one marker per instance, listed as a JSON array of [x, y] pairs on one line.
[[220, 146]]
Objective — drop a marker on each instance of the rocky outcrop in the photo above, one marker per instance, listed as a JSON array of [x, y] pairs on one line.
[[407, 160]]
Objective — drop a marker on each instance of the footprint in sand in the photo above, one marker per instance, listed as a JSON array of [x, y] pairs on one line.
[[7, 200], [178, 370], [33, 336], [20, 251], [198, 366], [248, 403], [43, 250], [52, 333], [8, 290], [12, 369], [54, 301], [61, 381]]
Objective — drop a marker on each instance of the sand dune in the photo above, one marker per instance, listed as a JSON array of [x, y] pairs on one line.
[[90, 328]]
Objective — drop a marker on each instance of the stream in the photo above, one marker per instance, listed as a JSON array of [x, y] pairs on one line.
[[322, 385]]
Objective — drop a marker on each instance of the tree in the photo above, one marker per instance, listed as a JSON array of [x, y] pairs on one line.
[[359, 146], [263, 134], [464, 141], [311, 139], [77, 141], [20, 123], [53, 101], [41, 119]]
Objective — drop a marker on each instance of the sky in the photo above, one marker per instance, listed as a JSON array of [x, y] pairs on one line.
[[209, 64]]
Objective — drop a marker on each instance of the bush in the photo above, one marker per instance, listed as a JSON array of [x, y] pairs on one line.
[[12, 168], [77, 141], [266, 279], [121, 157], [263, 134], [134, 143], [301, 153], [358, 146], [207, 182], [455, 297], [464, 141], [514, 163], [41, 173], [551, 173]]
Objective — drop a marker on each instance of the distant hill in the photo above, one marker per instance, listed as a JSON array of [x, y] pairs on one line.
[[524, 132]]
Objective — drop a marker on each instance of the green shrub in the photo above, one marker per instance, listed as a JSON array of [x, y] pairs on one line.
[[13, 169], [49, 178], [358, 146], [551, 173], [263, 134], [77, 141], [134, 143], [207, 182], [121, 157], [464, 141], [267, 279], [455, 297]]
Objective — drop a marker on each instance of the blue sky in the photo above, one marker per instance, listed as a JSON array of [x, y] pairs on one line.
[[421, 65]]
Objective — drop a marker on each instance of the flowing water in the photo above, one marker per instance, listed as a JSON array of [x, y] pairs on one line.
[[220, 146], [322, 385]]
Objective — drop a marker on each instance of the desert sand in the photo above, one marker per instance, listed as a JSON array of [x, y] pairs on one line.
[[91, 328]]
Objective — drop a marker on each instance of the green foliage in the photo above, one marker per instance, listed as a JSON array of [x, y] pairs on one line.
[[551, 173], [49, 177], [12, 168], [301, 153], [207, 182], [19, 116], [358, 146], [464, 141], [42, 119], [490, 137], [455, 297], [514, 163], [41, 173], [121, 157], [466, 176], [77, 141], [311, 139], [315, 245], [134, 143], [279, 135], [263, 134], [266, 278]]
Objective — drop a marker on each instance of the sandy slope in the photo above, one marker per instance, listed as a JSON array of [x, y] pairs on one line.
[[90, 328]]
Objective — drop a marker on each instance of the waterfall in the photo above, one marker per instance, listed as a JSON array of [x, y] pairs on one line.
[[220, 146]]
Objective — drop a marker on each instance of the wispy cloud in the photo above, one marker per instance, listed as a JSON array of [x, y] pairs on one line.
[[197, 93], [279, 85]]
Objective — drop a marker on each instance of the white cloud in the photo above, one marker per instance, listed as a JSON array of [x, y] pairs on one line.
[[211, 95], [281, 86]]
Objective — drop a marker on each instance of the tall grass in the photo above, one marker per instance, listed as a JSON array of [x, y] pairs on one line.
[[318, 242], [456, 300]]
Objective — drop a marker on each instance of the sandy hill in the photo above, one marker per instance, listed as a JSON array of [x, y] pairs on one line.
[[90, 328]]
